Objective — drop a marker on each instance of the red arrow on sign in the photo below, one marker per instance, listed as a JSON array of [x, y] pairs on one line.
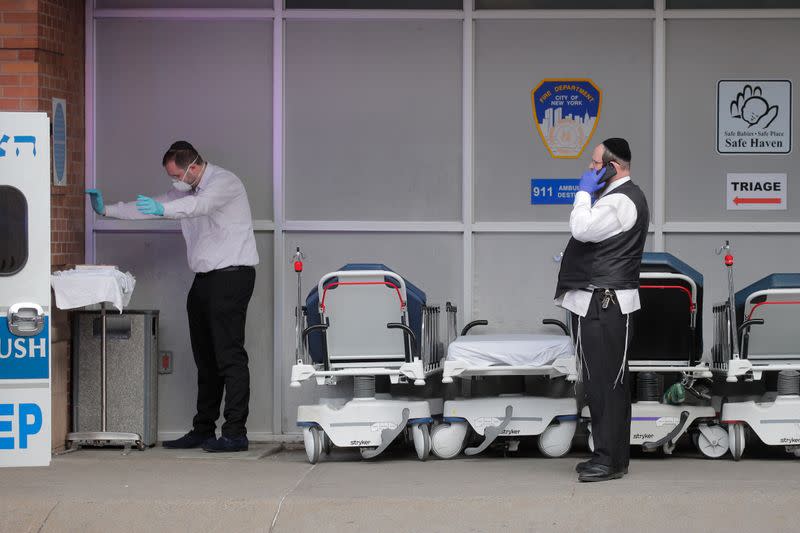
[[738, 200]]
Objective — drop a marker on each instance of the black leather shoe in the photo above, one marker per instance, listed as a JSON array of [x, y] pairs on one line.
[[227, 444], [583, 465], [597, 472], [190, 440]]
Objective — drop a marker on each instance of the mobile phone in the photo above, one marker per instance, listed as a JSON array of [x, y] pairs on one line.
[[610, 173]]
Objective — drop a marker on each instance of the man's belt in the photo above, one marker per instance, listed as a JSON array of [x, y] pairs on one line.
[[234, 268]]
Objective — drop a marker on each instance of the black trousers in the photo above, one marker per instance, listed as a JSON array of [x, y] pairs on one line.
[[217, 308], [608, 394]]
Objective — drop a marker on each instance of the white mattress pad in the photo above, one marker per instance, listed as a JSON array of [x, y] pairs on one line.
[[510, 349]]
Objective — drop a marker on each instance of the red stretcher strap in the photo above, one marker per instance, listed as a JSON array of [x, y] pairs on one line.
[[692, 305], [337, 283], [759, 304]]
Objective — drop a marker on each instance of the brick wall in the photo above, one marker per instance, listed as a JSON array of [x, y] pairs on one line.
[[42, 57]]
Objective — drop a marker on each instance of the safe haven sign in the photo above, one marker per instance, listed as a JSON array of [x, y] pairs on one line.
[[754, 116]]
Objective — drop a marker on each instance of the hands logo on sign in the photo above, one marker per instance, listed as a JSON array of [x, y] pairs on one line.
[[18, 139], [751, 107]]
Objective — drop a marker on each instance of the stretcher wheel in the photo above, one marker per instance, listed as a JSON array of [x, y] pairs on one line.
[[716, 446], [736, 437], [365, 450], [422, 440], [327, 445], [447, 440], [312, 439], [556, 440]]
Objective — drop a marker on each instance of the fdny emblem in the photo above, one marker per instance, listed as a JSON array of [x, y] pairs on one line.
[[566, 114]]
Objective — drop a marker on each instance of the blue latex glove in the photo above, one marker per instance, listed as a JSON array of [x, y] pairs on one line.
[[148, 206], [590, 181], [96, 198]]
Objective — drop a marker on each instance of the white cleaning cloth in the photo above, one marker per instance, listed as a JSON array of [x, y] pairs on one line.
[[88, 285]]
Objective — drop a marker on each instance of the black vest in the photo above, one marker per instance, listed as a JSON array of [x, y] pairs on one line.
[[610, 264]]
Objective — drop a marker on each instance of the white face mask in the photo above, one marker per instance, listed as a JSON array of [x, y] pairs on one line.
[[181, 185]]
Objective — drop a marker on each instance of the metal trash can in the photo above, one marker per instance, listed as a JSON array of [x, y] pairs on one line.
[[131, 368]]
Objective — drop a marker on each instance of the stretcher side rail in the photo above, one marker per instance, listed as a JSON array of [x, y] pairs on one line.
[[702, 370], [745, 368], [409, 371]]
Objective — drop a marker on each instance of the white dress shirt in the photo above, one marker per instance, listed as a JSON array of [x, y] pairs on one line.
[[215, 220], [610, 215]]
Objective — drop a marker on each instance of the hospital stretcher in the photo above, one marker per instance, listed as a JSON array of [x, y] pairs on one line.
[[667, 349], [366, 330], [667, 346], [507, 416], [757, 349]]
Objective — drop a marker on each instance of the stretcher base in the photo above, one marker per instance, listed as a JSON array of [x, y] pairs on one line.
[[509, 416], [369, 424], [656, 425], [776, 423]]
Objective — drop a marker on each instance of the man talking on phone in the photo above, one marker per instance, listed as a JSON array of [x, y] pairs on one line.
[[599, 284]]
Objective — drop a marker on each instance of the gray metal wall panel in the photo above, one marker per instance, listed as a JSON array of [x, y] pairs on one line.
[[699, 54], [206, 82], [373, 120], [515, 278], [511, 58]]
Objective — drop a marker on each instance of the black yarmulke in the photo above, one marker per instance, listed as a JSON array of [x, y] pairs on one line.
[[181, 145], [619, 147]]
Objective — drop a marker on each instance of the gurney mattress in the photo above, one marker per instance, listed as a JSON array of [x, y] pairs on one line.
[[510, 349]]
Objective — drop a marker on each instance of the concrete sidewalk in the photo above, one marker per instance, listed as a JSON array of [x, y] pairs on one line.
[[272, 489]]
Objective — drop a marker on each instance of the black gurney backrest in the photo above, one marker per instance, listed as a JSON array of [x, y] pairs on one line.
[[662, 327], [416, 301]]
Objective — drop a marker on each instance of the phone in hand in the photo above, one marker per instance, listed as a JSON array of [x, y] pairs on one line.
[[610, 173]]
